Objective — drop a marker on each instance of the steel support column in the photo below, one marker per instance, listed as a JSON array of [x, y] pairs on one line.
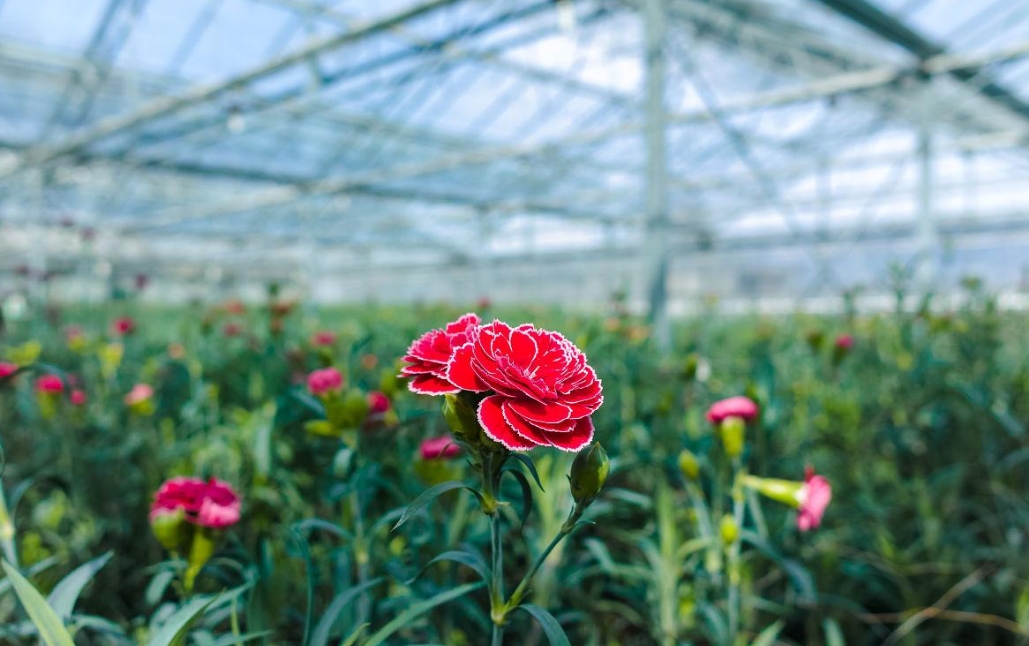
[[656, 172]]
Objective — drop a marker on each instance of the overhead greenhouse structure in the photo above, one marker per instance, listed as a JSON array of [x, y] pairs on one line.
[[554, 151]]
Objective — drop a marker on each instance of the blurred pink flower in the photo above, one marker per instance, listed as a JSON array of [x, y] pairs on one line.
[[49, 384], [7, 369], [209, 504], [378, 402], [325, 380], [844, 342], [323, 338], [78, 398], [139, 394], [743, 407], [123, 325], [814, 498], [443, 447]]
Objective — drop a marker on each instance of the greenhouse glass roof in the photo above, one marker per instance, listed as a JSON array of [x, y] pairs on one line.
[[253, 135]]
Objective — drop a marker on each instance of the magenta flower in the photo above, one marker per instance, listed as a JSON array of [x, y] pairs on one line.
[[324, 381], [208, 504], [378, 403], [814, 497], [742, 407], [430, 354], [49, 384], [123, 325], [844, 342], [7, 369], [442, 447], [78, 398]]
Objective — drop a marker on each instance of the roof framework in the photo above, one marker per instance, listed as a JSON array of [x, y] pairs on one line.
[[253, 136]]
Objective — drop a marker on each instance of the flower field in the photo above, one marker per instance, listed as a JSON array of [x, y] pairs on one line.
[[273, 474]]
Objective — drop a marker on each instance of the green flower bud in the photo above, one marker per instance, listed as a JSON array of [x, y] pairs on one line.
[[689, 465], [342, 463], [170, 528], [788, 492], [733, 430], [462, 419], [589, 471], [200, 552], [728, 529]]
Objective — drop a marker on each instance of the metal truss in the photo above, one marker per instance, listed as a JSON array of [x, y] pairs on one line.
[[447, 125]]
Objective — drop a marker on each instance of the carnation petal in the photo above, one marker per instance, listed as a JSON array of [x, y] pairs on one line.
[[579, 437], [460, 372], [431, 385], [491, 417], [534, 411]]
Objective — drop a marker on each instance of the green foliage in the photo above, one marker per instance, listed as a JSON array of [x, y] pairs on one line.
[[920, 427]]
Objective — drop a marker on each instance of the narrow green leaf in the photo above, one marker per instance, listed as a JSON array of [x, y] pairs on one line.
[[230, 640], [768, 636], [523, 482], [551, 627], [174, 630], [427, 497], [531, 466], [833, 634], [355, 636], [418, 609], [320, 636], [464, 557], [51, 631], [64, 595]]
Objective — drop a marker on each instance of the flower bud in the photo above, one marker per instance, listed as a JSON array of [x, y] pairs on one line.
[[733, 430], [728, 530], [589, 471], [786, 492], [169, 527], [689, 465], [461, 418]]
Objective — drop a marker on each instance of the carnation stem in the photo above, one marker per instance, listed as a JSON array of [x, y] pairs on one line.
[[567, 528], [739, 507], [7, 531], [491, 465]]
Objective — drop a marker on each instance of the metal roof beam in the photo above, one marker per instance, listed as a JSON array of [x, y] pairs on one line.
[[203, 93], [896, 31]]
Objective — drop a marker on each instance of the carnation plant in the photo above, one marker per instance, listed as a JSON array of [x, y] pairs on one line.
[[506, 391]]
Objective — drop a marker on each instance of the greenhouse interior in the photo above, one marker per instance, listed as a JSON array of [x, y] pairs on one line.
[[514, 322]]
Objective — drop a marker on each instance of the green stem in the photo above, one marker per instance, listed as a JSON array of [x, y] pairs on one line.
[[7, 541], [523, 585], [497, 584], [361, 557], [739, 507]]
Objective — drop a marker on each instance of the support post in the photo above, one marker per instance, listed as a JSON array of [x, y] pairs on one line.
[[926, 232], [656, 180]]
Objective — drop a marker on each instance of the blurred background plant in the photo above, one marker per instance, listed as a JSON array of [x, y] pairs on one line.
[[917, 419]]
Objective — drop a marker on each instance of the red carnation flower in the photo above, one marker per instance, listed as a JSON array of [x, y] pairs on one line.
[[208, 504], [442, 447], [430, 355], [743, 407], [49, 384], [543, 391]]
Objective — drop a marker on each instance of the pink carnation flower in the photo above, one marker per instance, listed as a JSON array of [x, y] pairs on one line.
[[208, 504], [814, 497], [442, 447], [378, 402], [123, 325], [323, 338], [323, 381], [7, 369], [844, 342], [51, 384], [743, 407], [78, 398], [139, 394]]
